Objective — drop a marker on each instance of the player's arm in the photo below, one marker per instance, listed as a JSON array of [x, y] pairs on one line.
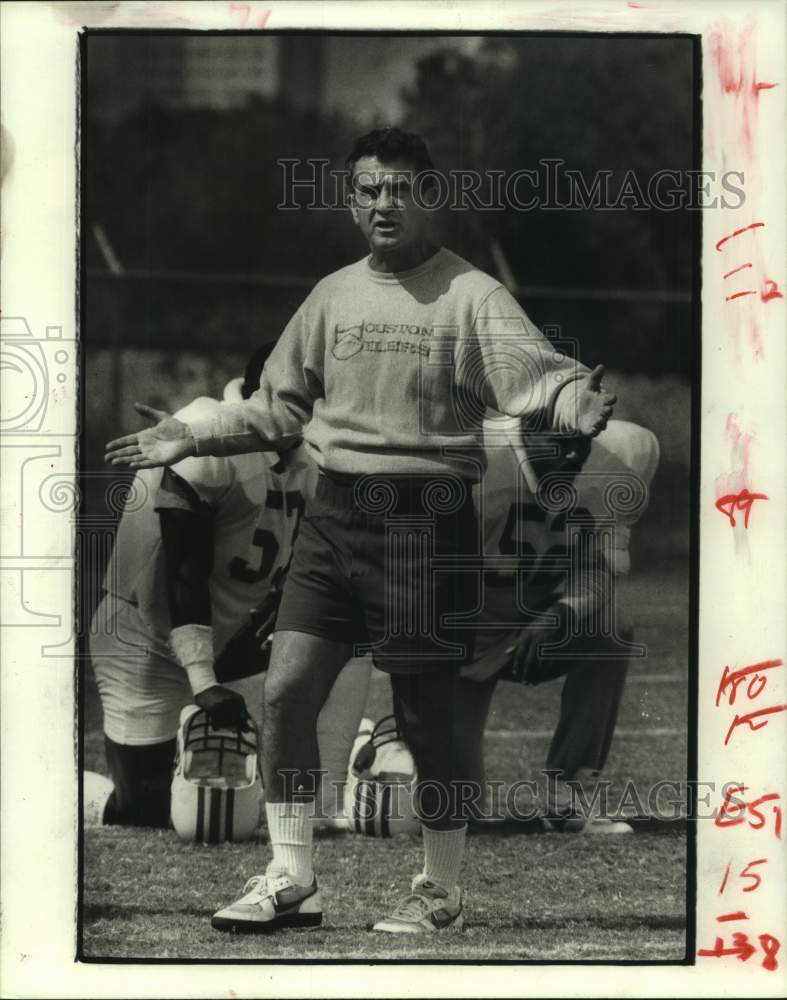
[[186, 524], [272, 416]]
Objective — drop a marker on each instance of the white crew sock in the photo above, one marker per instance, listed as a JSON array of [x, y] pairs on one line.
[[337, 727], [443, 853], [290, 831]]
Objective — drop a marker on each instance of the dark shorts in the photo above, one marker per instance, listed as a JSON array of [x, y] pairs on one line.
[[386, 563]]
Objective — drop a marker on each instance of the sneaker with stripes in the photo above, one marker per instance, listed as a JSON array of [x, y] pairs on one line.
[[268, 903], [428, 908]]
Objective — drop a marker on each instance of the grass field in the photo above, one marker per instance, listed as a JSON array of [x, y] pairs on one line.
[[529, 897]]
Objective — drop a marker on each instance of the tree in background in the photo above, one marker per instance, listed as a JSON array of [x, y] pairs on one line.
[[608, 103]]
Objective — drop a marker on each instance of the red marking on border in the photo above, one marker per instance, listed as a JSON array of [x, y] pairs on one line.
[[723, 816], [732, 678], [770, 946], [735, 810], [744, 229], [735, 270], [738, 501], [734, 53], [741, 948], [770, 291], [747, 719], [757, 878], [740, 457], [243, 9], [723, 885]]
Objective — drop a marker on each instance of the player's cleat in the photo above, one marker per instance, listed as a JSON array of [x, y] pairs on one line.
[[427, 909], [270, 902]]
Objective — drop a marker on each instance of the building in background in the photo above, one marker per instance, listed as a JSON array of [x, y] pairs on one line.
[[361, 75]]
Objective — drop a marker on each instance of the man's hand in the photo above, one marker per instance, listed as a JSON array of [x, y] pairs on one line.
[[594, 404], [165, 444], [526, 666], [225, 709]]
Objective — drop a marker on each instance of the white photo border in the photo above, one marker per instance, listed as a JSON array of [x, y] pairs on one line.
[[742, 585]]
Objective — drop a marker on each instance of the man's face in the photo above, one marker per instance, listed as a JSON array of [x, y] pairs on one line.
[[384, 209]]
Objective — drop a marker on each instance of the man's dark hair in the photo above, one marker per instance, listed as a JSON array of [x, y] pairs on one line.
[[251, 377], [389, 144]]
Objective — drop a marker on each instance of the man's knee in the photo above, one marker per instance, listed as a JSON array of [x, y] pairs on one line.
[[301, 674], [142, 776]]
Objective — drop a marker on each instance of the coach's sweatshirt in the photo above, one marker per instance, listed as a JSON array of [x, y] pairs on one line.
[[392, 373]]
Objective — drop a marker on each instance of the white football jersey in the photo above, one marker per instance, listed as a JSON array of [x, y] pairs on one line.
[[255, 506], [527, 545]]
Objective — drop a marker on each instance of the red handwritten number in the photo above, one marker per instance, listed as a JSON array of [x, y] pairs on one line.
[[740, 947], [745, 873], [744, 500], [753, 875], [729, 805], [770, 291], [743, 949], [733, 810], [777, 827], [730, 679], [770, 946]]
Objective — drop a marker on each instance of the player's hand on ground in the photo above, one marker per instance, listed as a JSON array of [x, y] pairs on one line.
[[225, 708], [166, 443], [594, 405], [527, 665]]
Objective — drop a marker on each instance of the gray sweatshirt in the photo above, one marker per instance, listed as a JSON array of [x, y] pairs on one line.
[[393, 373]]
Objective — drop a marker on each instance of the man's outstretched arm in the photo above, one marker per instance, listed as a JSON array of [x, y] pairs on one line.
[[272, 416]]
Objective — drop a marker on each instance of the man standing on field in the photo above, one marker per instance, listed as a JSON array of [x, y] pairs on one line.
[[391, 364]]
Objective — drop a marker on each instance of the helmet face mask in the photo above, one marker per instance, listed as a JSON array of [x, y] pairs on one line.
[[392, 764], [216, 788], [379, 793]]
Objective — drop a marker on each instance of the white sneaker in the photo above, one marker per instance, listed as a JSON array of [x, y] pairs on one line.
[[269, 902], [428, 908]]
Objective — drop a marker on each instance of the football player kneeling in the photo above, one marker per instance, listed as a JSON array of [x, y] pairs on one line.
[[216, 791]]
